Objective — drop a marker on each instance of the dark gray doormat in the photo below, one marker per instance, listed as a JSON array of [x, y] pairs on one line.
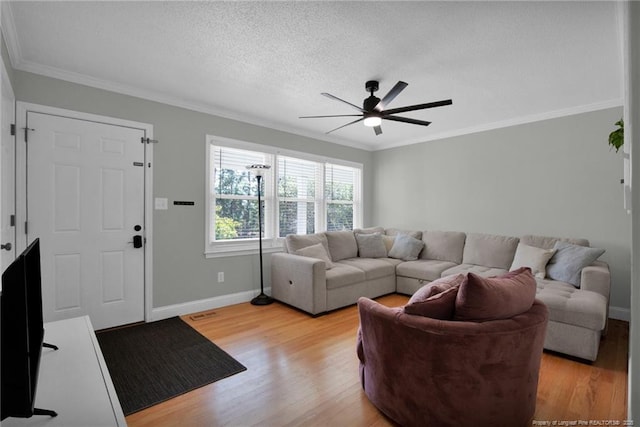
[[153, 362]]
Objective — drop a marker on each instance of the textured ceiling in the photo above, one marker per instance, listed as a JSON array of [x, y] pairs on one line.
[[267, 62]]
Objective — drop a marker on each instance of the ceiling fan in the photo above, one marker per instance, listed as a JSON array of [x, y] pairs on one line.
[[373, 109]]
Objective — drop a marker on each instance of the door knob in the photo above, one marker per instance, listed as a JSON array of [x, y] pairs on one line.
[[137, 241], [6, 247]]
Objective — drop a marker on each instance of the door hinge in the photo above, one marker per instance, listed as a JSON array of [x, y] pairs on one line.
[[26, 229], [148, 140], [12, 220], [13, 129]]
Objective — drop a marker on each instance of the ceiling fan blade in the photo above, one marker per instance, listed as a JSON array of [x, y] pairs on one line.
[[377, 130], [338, 115], [417, 107], [328, 95], [350, 123], [407, 120], [395, 91]]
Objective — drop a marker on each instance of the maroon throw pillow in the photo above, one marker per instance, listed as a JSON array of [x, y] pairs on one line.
[[436, 287], [439, 306], [480, 299]]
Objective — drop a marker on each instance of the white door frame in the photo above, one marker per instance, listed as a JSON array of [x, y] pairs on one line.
[[22, 108], [5, 86]]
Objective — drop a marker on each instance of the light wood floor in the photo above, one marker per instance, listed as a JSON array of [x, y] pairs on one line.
[[304, 371]]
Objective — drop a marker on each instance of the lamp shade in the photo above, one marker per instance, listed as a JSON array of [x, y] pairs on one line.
[[258, 169]]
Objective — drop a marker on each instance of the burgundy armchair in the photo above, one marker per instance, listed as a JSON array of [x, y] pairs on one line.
[[420, 371]]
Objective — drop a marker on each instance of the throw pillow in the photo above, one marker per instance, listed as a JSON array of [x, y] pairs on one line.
[[436, 287], [567, 263], [440, 306], [436, 299], [534, 258], [316, 251], [388, 242], [342, 245], [406, 248], [371, 246], [480, 299]]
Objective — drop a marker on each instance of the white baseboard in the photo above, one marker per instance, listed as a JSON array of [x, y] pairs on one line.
[[165, 312], [619, 313], [168, 311]]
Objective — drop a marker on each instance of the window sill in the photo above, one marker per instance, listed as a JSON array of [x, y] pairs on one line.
[[229, 249]]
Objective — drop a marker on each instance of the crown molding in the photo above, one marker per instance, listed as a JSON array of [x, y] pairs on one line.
[[162, 98], [511, 122], [10, 34]]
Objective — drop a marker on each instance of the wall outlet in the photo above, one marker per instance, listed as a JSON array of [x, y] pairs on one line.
[[220, 276]]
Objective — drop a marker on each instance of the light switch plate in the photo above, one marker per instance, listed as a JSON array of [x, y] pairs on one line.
[[161, 203]]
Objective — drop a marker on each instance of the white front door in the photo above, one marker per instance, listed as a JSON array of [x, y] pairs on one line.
[[7, 174], [85, 201]]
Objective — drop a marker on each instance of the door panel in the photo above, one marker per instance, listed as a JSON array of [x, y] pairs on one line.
[[84, 198]]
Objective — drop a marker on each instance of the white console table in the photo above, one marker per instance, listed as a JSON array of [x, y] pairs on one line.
[[74, 380]]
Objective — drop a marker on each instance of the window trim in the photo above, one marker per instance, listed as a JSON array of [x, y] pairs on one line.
[[226, 248]]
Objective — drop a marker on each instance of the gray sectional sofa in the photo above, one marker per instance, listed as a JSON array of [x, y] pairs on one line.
[[321, 272]]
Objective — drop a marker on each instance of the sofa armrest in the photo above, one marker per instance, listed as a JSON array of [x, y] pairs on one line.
[[596, 278], [299, 281]]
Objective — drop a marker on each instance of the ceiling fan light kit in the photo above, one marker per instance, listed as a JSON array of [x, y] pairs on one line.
[[372, 121], [373, 108]]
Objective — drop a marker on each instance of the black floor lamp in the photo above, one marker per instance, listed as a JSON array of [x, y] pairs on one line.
[[258, 170]]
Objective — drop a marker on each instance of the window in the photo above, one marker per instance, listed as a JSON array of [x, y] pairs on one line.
[[297, 189], [301, 194], [340, 187], [235, 193]]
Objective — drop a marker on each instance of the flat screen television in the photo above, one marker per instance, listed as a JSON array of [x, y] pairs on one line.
[[22, 335]]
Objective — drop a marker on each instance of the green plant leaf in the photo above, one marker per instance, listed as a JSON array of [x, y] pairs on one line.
[[616, 138]]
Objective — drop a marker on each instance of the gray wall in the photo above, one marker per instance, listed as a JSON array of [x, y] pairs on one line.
[[632, 134], [555, 177], [180, 271]]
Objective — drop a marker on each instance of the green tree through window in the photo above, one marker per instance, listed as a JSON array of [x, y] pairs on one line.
[[306, 196]]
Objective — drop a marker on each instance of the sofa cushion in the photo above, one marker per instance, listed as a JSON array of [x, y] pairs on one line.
[[424, 269], [546, 242], [439, 306], [443, 245], [371, 245], [489, 250], [475, 269], [569, 260], [368, 230], [342, 245], [395, 231], [572, 306], [392, 261], [481, 299], [343, 275], [406, 247], [373, 268], [534, 258], [294, 242], [316, 251]]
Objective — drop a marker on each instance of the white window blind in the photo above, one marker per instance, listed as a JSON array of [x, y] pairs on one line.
[[297, 182], [301, 194], [341, 184]]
